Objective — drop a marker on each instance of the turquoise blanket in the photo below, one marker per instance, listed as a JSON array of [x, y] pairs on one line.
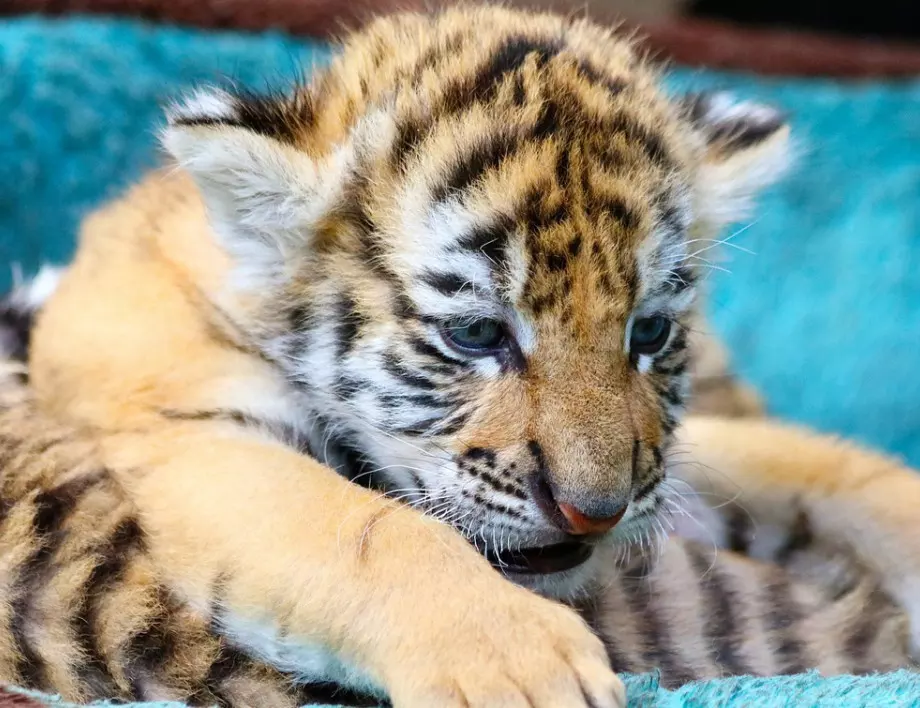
[[824, 319], [900, 689]]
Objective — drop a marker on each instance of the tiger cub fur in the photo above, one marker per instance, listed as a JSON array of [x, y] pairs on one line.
[[90, 617], [422, 319]]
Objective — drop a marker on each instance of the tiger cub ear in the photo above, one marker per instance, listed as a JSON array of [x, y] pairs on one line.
[[747, 148], [262, 192]]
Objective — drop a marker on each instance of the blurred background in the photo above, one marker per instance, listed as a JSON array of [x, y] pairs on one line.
[[820, 302]]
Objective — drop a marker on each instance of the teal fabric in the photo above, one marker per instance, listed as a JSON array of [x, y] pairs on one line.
[[900, 689], [824, 319]]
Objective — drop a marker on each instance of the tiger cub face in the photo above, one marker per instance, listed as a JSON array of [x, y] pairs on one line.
[[469, 244]]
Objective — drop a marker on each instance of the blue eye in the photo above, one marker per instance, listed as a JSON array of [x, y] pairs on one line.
[[482, 336], [649, 335]]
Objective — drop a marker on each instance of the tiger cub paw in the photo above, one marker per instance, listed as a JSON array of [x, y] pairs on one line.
[[511, 649]]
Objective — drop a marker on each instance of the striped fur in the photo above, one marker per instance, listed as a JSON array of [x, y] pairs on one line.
[[90, 618], [259, 347], [86, 612]]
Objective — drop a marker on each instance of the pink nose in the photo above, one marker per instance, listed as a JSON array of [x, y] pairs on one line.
[[582, 525]]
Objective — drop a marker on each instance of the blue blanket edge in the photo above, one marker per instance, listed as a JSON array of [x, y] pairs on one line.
[[896, 689]]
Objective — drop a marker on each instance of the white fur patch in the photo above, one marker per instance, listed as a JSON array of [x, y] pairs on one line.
[[211, 103], [730, 178], [29, 295], [263, 197], [305, 660]]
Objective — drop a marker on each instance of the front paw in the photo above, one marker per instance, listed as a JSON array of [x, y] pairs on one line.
[[504, 648]]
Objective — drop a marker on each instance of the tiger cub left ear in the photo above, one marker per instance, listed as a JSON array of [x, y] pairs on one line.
[[747, 148]]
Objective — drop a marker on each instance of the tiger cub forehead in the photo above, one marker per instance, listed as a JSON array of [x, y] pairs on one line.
[[484, 159], [532, 154]]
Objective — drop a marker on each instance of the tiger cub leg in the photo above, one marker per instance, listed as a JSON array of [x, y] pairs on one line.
[[85, 612], [767, 490], [696, 612], [312, 574]]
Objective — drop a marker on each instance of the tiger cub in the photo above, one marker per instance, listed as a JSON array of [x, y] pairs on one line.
[[91, 617], [420, 319]]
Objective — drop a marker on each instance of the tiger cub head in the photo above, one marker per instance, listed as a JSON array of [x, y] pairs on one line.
[[471, 244]]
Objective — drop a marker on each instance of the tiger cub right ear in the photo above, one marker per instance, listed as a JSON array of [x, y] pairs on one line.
[[747, 148], [261, 190]]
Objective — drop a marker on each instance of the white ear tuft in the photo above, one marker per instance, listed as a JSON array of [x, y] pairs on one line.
[[262, 192], [747, 149], [204, 105]]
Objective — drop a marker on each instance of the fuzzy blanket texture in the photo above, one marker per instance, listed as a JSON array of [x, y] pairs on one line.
[[824, 319], [900, 689]]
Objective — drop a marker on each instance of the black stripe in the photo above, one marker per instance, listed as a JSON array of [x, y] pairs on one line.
[[126, 540], [425, 349], [739, 529], [403, 307], [482, 86], [743, 133], [590, 609], [674, 219], [537, 213], [229, 664], [864, 631], [800, 537], [481, 454], [417, 429], [616, 208], [649, 487], [450, 284], [657, 646], [678, 342], [150, 648], [668, 423], [563, 163], [722, 621], [783, 618], [549, 121], [574, 247], [275, 117], [679, 280], [507, 58], [348, 328], [487, 154], [612, 84], [453, 425], [345, 387], [398, 370], [409, 134], [51, 508], [393, 401], [666, 368], [673, 395], [636, 133], [16, 323], [300, 317], [334, 694], [491, 241]]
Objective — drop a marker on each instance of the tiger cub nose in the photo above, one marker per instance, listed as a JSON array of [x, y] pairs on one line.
[[581, 525], [572, 519]]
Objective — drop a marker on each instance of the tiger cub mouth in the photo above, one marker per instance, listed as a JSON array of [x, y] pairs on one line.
[[541, 560]]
